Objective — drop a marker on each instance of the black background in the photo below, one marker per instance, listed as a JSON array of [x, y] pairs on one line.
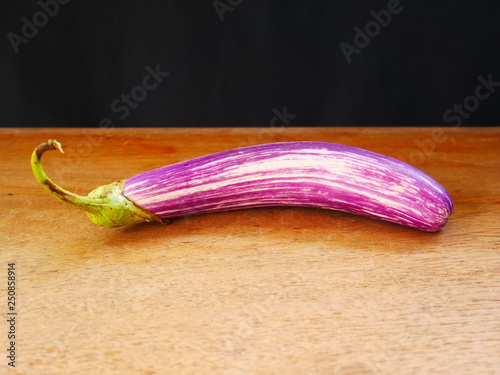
[[234, 69]]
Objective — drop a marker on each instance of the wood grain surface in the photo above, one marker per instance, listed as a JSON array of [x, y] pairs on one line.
[[262, 291]]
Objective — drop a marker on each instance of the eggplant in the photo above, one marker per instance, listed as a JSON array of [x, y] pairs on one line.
[[303, 174]]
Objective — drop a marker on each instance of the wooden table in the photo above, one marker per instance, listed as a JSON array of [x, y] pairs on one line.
[[262, 291]]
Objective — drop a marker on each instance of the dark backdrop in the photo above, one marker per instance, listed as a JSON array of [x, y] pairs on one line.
[[249, 63]]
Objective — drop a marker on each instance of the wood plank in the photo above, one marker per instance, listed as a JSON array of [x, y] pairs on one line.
[[262, 291]]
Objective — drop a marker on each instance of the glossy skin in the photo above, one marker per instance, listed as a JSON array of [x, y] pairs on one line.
[[306, 174]]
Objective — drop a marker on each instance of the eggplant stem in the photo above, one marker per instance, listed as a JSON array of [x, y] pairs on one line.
[[105, 206], [82, 202]]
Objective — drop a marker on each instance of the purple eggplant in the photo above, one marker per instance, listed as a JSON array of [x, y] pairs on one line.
[[303, 174]]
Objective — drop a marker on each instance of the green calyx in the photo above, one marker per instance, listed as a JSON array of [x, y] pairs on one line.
[[105, 206], [114, 209]]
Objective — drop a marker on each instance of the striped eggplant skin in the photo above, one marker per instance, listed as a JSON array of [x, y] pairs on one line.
[[305, 174]]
